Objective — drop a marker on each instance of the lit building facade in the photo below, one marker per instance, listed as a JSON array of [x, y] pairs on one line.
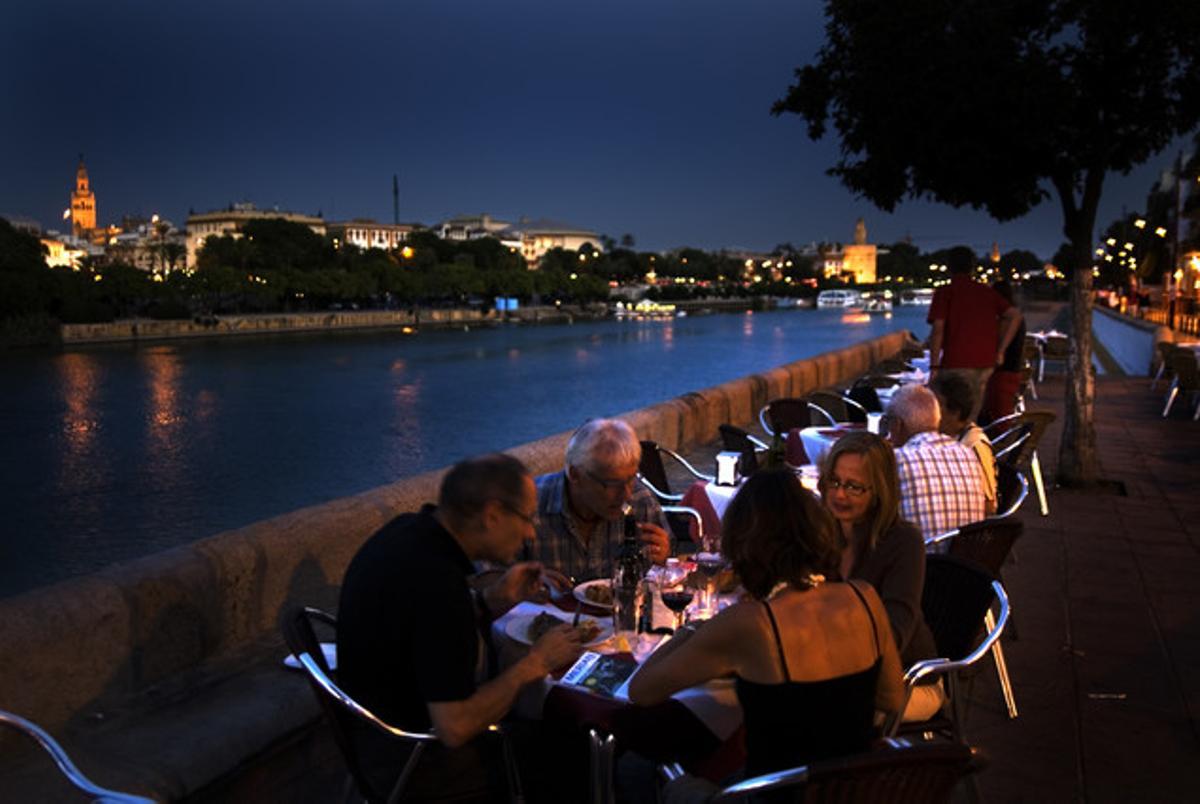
[[230, 222], [854, 263], [368, 234], [538, 237]]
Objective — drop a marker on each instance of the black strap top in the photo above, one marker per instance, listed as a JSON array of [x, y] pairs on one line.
[[796, 722]]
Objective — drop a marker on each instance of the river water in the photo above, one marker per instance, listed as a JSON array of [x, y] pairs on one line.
[[115, 452]]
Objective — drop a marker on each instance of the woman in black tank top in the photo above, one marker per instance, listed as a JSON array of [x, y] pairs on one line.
[[813, 661]]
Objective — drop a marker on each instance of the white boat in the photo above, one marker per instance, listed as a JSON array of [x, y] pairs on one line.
[[916, 297], [838, 299], [878, 304]]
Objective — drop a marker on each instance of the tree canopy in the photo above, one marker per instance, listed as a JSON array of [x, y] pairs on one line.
[[993, 104]]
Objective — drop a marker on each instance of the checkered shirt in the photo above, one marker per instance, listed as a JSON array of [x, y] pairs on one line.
[[559, 545], [941, 483]]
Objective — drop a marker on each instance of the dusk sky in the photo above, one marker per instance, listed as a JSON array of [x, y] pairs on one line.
[[648, 117]]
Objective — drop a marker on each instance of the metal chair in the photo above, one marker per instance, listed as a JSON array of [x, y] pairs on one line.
[[1011, 489], [73, 775], [1055, 349], [832, 404], [789, 413], [893, 365], [1187, 379], [1024, 457], [1163, 351], [956, 601], [899, 772], [345, 714], [865, 397], [735, 439], [601, 751], [653, 471]]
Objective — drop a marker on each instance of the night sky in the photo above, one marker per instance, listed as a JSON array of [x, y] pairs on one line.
[[648, 117]]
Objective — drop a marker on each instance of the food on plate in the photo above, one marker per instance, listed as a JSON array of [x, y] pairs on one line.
[[599, 593], [588, 629]]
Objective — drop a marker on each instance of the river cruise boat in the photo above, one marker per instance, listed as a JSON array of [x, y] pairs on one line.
[[879, 302], [916, 297], [838, 298]]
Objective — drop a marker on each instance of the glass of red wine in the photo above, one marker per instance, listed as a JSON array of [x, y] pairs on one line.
[[676, 594]]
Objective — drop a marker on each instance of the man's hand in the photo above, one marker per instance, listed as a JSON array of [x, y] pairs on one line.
[[557, 648], [522, 581], [655, 541]]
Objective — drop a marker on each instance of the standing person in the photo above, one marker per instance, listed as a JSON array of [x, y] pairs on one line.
[[956, 398], [965, 317], [412, 631], [1000, 396], [812, 660], [860, 488], [941, 482], [580, 510]]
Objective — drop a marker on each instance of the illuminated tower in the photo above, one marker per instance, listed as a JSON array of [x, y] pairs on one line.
[[83, 203]]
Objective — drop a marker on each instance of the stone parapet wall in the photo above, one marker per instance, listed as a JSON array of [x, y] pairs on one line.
[[1131, 341], [147, 329], [128, 637]]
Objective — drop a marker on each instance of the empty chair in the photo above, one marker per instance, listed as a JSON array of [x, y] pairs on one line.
[[735, 439], [653, 471], [786, 413], [865, 397], [832, 404], [899, 772], [76, 777], [1055, 349], [1027, 426], [955, 599], [345, 715], [1162, 352], [1183, 364]]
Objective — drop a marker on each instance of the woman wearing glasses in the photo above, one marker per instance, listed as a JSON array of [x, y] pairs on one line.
[[860, 488]]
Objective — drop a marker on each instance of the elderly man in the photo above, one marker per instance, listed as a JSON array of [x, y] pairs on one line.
[[412, 630], [941, 481], [580, 509]]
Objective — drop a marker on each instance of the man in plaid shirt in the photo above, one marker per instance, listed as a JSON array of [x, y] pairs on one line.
[[941, 481], [581, 509]]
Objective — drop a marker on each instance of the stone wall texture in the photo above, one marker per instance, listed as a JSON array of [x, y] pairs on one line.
[[140, 631]]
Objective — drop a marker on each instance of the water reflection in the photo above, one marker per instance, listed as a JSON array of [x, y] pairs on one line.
[[748, 324], [78, 381], [167, 437]]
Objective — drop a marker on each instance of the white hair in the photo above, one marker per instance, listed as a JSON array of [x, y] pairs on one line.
[[917, 407], [608, 441]]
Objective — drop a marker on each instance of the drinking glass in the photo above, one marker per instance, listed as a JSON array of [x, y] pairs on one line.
[[676, 594], [710, 563]]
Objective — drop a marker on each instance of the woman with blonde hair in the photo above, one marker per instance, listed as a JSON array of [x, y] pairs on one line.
[[813, 660], [860, 487]]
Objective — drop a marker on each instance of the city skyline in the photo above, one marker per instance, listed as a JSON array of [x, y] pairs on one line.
[[651, 120]]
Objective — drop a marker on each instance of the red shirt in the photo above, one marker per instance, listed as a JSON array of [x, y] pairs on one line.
[[971, 313]]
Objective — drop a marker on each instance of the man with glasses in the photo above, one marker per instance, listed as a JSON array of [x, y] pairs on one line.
[[412, 631], [941, 481], [581, 509]]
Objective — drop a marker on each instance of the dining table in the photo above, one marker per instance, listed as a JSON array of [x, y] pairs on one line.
[[711, 499], [700, 726]]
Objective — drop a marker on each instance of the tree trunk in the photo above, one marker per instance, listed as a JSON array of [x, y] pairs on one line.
[[1078, 464]]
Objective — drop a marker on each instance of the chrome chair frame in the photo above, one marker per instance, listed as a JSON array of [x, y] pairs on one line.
[[1035, 464], [601, 755], [663, 494], [317, 676], [687, 511], [76, 777], [1023, 485]]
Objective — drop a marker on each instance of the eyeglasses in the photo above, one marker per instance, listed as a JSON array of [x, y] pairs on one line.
[[849, 486], [611, 484], [532, 519]]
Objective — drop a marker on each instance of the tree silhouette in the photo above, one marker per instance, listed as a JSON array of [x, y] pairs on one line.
[[994, 103]]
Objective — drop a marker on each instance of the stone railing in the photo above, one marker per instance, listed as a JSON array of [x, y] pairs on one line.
[[100, 656]]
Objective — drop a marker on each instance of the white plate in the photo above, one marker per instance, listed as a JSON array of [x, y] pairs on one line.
[[580, 592], [518, 628]]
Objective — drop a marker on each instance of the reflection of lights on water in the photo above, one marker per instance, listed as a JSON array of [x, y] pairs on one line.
[[582, 356], [399, 365], [514, 353], [856, 318], [79, 390]]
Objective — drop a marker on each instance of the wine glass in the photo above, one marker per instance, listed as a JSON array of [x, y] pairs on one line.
[[676, 594], [710, 563]]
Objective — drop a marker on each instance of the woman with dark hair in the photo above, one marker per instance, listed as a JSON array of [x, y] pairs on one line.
[[813, 661], [860, 487]]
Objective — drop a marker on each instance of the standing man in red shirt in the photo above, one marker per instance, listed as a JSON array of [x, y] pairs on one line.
[[972, 326]]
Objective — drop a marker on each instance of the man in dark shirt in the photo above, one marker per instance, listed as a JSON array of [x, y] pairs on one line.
[[971, 326], [412, 631]]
